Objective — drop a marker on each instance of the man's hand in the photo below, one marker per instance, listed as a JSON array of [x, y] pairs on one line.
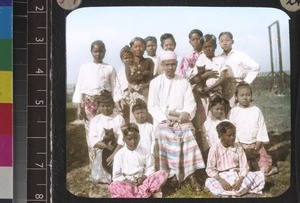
[[184, 117]]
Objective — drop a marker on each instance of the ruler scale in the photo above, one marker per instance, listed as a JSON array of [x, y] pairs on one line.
[[38, 169]]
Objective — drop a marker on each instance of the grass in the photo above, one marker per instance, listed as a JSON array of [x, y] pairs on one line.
[[276, 110]]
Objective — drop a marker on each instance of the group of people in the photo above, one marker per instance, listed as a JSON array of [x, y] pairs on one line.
[[155, 123]]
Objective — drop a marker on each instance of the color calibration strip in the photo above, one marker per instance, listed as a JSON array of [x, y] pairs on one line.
[[6, 102]]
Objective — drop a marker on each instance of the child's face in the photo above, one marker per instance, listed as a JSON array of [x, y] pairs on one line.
[[209, 49], [138, 49], [218, 111], [140, 115], [168, 45], [98, 53], [151, 48], [106, 108], [244, 96], [226, 43], [228, 138], [127, 58], [195, 42], [132, 140]]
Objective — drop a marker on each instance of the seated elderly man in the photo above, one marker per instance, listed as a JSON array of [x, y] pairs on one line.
[[172, 106]]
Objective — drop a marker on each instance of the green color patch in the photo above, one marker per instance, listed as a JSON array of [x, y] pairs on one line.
[[5, 54]]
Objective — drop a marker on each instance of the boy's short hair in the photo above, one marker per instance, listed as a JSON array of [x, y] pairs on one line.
[[125, 50], [129, 127], [195, 31], [139, 104], [105, 97], [150, 38], [223, 127], [209, 37]]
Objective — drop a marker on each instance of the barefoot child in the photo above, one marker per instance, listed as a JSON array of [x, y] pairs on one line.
[[251, 131], [227, 166], [133, 171], [102, 122]]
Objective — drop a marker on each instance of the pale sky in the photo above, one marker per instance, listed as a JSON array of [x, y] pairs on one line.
[[116, 26]]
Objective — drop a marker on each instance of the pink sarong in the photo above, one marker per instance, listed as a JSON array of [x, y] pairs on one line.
[[150, 185]]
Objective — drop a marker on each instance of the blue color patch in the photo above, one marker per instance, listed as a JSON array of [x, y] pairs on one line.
[[5, 22]]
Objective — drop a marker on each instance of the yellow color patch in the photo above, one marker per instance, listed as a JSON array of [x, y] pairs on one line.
[[6, 87]]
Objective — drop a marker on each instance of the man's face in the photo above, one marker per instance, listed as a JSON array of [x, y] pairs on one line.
[[170, 67]]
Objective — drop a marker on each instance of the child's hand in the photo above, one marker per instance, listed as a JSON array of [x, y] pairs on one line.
[[109, 146], [184, 117], [140, 180], [237, 185], [210, 74], [225, 184], [110, 160]]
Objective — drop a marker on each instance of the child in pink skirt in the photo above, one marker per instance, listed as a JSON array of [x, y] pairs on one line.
[[251, 131], [133, 170]]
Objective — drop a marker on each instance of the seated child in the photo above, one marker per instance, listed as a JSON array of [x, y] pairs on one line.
[[133, 170], [227, 166], [141, 115], [100, 126]]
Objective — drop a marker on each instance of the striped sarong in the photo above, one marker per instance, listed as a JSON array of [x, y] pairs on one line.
[[177, 151], [254, 182]]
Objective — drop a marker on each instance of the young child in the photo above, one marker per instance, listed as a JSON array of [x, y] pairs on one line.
[[241, 68], [107, 119], [251, 131], [167, 43], [188, 62], [133, 171], [151, 47], [141, 115], [92, 79], [227, 166], [217, 112]]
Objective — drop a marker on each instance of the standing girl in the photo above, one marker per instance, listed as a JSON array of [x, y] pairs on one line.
[[92, 79], [251, 129]]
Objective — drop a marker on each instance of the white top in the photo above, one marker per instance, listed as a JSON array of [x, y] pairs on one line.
[[121, 84], [146, 136], [166, 95], [214, 64], [250, 124], [99, 122], [209, 128], [93, 78], [131, 165], [241, 66]]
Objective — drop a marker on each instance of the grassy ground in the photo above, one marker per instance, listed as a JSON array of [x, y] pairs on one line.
[[276, 110]]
